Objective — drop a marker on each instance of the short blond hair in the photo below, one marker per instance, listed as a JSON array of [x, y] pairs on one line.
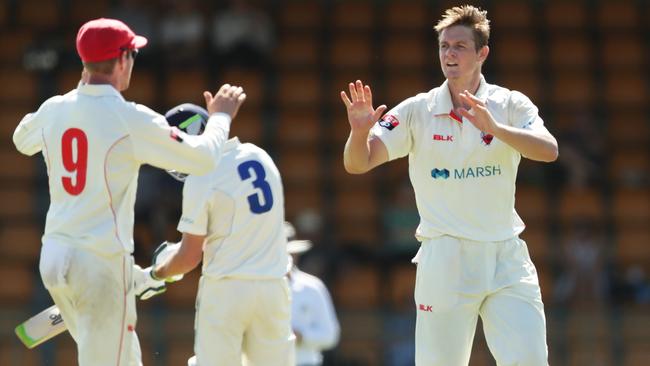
[[469, 16], [101, 67]]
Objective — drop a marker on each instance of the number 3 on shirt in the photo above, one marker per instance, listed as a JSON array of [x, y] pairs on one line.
[[244, 170], [76, 164]]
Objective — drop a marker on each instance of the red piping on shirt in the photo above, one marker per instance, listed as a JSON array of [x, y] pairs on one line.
[[117, 235], [453, 115], [119, 351], [110, 197]]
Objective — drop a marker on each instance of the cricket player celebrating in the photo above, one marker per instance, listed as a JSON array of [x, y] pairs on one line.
[[233, 220], [93, 143], [464, 140]]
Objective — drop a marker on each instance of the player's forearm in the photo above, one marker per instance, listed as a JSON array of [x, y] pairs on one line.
[[207, 149], [356, 156], [218, 126], [179, 263], [535, 145]]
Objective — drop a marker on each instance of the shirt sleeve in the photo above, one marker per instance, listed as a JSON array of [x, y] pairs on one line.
[[158, 144], [393, 130], [523, 113], [323, 330], [28, 136], [194, 219]]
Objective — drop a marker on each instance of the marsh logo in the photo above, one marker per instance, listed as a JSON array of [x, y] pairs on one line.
[[467, 173], [477, 172], [440, 173]]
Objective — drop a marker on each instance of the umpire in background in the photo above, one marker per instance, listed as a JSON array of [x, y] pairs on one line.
[[313, 317]]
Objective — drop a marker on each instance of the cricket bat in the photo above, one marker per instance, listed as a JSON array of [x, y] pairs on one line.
[[41, 327]]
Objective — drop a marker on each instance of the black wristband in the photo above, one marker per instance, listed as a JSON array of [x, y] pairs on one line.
[[153, 275]]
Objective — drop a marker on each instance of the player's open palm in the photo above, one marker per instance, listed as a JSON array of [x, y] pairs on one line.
[[361, 115], [477, 114], [227, 100]]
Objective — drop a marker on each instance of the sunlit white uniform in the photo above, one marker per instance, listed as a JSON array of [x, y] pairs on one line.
[[93, 143], [312, 314], [471, 261], [243, 302]]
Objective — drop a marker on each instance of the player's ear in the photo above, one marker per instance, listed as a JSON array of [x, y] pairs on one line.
[[122, 60], [483, 53]]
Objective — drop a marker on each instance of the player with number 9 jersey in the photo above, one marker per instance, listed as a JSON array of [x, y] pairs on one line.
[[93, 143]]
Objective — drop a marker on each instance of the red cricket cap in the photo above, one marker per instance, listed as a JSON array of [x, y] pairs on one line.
[[103, 39]]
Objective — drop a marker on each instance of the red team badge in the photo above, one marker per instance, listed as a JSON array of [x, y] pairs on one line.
[[389, 122], [487, 138]]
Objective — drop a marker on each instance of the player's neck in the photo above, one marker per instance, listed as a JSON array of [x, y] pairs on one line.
[[456, 86], [103, 79]]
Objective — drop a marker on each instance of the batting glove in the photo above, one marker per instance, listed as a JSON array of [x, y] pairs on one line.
[[144, 285], [160, 255]]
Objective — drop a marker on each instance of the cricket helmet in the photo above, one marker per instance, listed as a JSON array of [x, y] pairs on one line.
[[188, 118]]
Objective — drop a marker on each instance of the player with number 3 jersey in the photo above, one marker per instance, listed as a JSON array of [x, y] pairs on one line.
[[233, 220], [93, 143]]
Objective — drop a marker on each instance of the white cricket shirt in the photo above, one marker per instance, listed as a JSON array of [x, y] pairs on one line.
[[93, 143], [313, 315], [464, 180], [239, 207]]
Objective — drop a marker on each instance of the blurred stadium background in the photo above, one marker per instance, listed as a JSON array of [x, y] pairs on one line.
[[584, 63]]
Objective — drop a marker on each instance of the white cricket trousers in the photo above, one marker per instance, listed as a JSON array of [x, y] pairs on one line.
[[243, 321], [97, 302], [459, 280]]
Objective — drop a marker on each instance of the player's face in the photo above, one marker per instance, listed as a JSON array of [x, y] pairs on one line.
[[458, 55], [128, 59]]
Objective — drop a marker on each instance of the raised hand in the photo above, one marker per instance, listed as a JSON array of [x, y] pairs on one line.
[[361, 115], [227, 100], [477, 114]]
